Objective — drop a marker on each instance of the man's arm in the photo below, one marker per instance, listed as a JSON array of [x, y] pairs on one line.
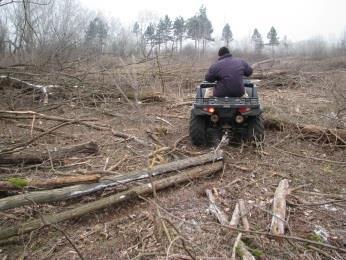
[[247, 69], [211, 76]]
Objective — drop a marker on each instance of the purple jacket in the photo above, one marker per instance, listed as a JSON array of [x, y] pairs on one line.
[[229, 73]]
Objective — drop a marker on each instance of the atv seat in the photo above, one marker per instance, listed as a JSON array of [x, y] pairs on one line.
[[250, 88]]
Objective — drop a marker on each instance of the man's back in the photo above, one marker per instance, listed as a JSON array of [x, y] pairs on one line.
[[229, 73]]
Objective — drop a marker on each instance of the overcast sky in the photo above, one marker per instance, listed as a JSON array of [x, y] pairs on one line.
[[298, 19]]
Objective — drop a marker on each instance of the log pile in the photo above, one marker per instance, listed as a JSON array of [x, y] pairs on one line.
[[172, 173]]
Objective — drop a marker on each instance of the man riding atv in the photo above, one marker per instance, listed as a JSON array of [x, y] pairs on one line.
[[228, 72], [226, 104]]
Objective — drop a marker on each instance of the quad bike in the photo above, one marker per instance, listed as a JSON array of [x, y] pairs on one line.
[[214, 117]]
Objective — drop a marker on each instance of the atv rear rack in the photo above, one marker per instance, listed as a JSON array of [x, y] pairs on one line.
[[227, 102]]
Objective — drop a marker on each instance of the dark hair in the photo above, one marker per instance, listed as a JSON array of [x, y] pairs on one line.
[[223, 51]]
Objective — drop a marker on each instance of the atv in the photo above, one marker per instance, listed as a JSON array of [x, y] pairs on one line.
[[237, 118]]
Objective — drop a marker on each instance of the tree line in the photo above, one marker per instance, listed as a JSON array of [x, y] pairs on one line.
[[58, 29]]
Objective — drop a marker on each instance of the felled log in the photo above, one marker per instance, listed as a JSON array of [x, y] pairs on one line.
[[106, 182], [277, 226], [215, 210], [19, 183], [322, 134], [187, 175], [54, 155]]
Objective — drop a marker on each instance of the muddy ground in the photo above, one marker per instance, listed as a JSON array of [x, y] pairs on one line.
[[311, 92]]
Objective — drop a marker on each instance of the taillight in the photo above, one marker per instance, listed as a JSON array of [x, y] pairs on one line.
[[209, 109], [244, 109]]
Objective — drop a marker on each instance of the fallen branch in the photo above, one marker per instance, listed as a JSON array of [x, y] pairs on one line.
[[321, 134], [243, 252], [235, 216], [113, 200], [30, 114], [243, 214], [277, 226], [309, 157], [54, 155], [130, 137], [105, 182], [43, 89], [215, 210], [235, 246], [270, 235], [19, 183]]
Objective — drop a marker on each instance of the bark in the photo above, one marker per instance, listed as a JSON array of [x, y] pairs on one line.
[[106, 182], [215, 210], [279, 209], [321, 134], [33, 158], [196, 172], [50, 183]]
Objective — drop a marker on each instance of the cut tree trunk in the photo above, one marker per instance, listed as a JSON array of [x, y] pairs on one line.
[[187, 175], [34, 158], [279, 208], [322, 134], [49, 183], [109, 181]]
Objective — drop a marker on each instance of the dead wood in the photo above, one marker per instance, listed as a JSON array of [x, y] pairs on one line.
[[43, 89], [30, 114], [243, 214], [49, 183], [194, 173], [235, 216], [321, 134], [54, 155], [277, 226], [282, 237], [235, 246], [215, 210], [130, 137], [108, 181], [243, 252], [269, 74], [42, 130]]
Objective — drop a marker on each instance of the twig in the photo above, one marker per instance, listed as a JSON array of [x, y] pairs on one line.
[[280, 237], [309, 157], [318, 204]]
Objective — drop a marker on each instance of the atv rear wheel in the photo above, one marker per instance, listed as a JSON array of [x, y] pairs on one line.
[[255, 128], [198, 130]]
